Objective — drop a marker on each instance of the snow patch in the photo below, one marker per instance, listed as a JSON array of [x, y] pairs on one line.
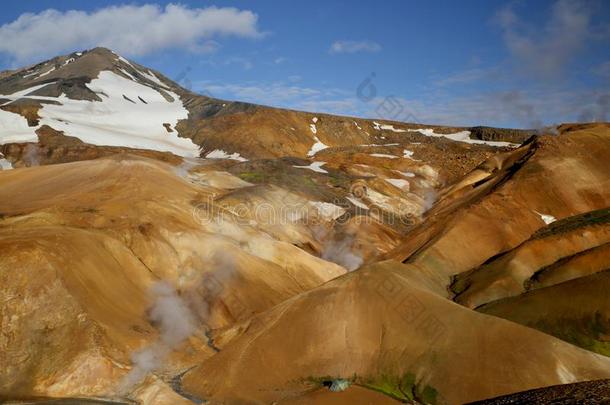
[[406, 174], [327, 210], [126, 73], [316, 147], [357, 202], [386, 127], [381, 200], [221, 154], [5, 164], [408, 154], [381, 155], [46, 73], [548, 219], [30, 74], [391, 128], [400, 183], [314, 166], [122, 59], [151, 76]]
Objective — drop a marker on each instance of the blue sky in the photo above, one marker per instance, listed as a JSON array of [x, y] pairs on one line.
[[514, 64]]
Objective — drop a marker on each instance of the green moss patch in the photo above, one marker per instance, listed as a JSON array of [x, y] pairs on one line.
[[252, 177], [591, 332], [404, 389]]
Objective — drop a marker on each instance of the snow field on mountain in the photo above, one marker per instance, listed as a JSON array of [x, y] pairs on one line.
[[130, 115]]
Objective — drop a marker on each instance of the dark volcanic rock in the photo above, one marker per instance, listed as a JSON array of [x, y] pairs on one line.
[[588, 392], [74, 88], [501, 134]]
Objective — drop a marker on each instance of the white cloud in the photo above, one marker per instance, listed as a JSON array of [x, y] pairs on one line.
[[220, 63], [547, 50], [467, 76], [354, 46], [128, 29], [245, 63], [285, 94], [270, 93]]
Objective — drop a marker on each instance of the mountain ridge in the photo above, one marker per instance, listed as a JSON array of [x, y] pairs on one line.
[[70, 74]]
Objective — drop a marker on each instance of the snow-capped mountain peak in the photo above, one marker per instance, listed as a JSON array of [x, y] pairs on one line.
[[98, 97]]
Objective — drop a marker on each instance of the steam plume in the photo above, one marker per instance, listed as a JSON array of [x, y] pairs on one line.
[[30, 157], [175, 323], [342, 252], [210, 287]]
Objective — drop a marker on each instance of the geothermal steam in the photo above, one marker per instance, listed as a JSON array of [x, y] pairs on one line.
[[208, 288], [176, 317], [31, 155], [175, 322], [342, 252]]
